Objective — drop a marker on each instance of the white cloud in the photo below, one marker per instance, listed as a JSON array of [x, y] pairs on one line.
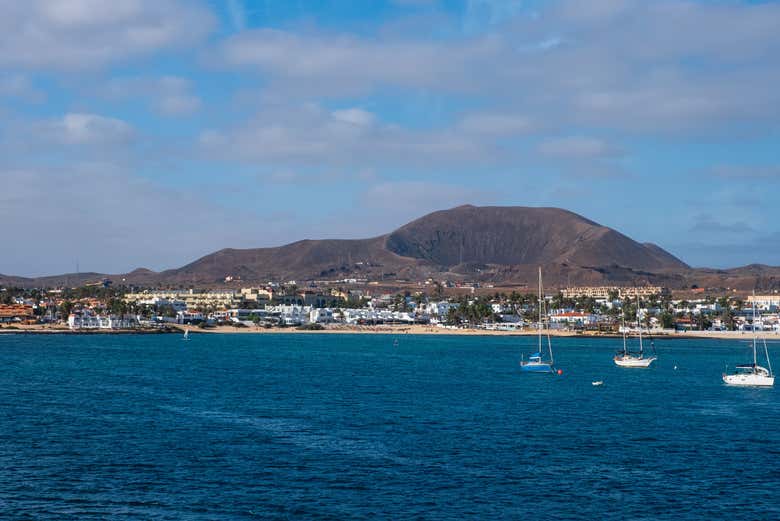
[[110, 220], [77, 128], [354, 116], [708, 224], [576, 147], [496, 124], [237, 13], [415, 198], [765, 172], [340, 64], [168, 95], [307, 135], [673, 67], [20, 86], [79, 34]]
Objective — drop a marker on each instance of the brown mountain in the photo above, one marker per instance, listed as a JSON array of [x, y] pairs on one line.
[[446, 241], [489, 244], [521, 235]]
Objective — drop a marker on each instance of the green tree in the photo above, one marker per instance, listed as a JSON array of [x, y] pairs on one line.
[[65, 308], [452, 316], [667, 320]]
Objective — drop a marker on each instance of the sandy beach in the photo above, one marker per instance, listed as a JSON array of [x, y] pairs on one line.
[[416, 329]]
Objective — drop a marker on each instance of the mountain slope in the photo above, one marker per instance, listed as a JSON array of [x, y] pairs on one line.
[[520, 235], [488, 244]]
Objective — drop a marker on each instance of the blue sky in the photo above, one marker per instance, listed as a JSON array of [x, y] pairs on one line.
[[146, 133]]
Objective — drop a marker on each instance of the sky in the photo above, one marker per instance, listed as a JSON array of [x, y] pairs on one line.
[[147, 133]]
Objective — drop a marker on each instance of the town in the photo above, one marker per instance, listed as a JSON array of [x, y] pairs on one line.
[[597, 310]]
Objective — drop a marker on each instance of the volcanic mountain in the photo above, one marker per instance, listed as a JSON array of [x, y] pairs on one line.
[[489, 244], [455, 240], [521, 235]]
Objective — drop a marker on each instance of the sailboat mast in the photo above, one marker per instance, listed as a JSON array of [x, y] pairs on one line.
[[766, 354], [549, 342], [625, 347], [540, 310], [754, 329], [638, 326]]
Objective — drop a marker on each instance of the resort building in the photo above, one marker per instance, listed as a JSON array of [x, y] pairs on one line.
[[85, 320], [16, 313], [765, 302], [573, 318], [189, 317], [603, 292], [192, 299], [259, 295]]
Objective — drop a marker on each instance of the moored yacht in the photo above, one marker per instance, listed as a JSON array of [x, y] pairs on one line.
[[626, 358], [536, 362], [752, 375]]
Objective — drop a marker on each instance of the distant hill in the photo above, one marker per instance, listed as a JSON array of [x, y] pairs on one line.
[[441, 242], [489, 244], [521, 235]]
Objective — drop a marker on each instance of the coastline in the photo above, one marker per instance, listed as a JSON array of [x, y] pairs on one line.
[[38, 329]]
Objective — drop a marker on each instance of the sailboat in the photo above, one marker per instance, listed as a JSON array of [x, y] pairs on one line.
[[536, 362], [626, 358], [752, 375]]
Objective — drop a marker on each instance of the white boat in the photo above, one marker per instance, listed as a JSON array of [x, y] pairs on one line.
[[630, 360], [536, 362], [597, 383], [626, 358], [752, 375]]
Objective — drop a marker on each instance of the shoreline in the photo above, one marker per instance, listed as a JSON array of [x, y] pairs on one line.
[[376, 330]]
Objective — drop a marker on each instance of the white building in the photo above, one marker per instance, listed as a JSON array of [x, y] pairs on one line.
[[321, 316], [92, 321], [380, 316], [574, 318], [189, 317], [440, 309], [765, 302], [501, 308], [291, 315]]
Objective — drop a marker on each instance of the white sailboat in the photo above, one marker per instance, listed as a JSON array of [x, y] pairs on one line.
[[752, 375], [626, 358], [536, 362]]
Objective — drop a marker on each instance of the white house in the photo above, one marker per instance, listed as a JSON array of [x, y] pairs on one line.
[[574, 318], [440, 309], [321, 316], [91, 321]]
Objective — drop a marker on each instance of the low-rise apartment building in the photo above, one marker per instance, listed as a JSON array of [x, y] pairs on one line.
[[765, 302], [16, 313], [193, 299], [92, 321], [603, 292]]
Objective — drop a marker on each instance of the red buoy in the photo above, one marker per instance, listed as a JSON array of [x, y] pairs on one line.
[[560, 371]]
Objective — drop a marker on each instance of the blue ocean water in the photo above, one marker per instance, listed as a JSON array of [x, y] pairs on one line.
[[351, 427]]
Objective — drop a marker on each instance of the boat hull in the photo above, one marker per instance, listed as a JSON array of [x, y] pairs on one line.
[[531, 367], [627, 361], [749, 380]]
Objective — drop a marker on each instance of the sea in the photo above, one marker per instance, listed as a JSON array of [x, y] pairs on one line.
[[325, 426]]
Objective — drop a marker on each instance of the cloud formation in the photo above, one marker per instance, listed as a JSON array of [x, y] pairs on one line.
[[677, 100], [76, 128], [83, 34], [168, 95], [668, 66], [312, 136]]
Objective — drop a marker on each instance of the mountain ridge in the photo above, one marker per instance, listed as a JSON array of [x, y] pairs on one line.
[[490, 244]]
